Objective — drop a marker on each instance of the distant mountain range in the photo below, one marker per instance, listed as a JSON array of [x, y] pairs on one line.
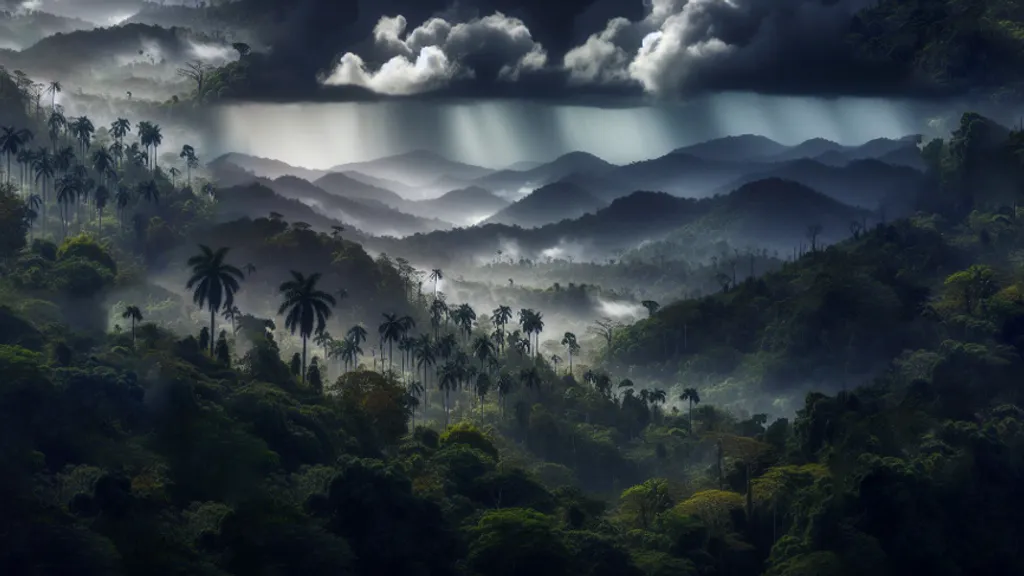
[[342, 185], [548, 204], [536, 177], [418, 168], [365, 214], [466, 205], [699, 170], [75, 55], [19, 30], [372, 217], [264, 167], [385, 196], [863, 183], [769, 213]]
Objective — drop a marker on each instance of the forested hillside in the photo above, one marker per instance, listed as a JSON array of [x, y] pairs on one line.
[[173, 400]]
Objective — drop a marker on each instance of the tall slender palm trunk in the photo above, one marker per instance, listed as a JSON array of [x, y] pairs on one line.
[[303, 359], [213, 321]]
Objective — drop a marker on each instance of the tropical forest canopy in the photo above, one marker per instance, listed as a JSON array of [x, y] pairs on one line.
[[201, 375]]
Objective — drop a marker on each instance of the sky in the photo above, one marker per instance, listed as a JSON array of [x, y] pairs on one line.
[[497, 133], [495, 82]]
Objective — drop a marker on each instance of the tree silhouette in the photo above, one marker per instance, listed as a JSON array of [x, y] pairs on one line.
[[501, 316], [11, 141], [213, 282], [391, 330], [54, 88], [690, 395], [813, 231], [307, 308], [324, 340], [572, 347], [425, 358], [195, 71], [436, 275], [651, 306], [135, 315]]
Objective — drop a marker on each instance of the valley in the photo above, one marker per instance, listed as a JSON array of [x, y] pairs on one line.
[[510, 288]]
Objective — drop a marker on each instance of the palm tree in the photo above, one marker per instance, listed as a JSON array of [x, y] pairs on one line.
[[324, 340], [232, 314], [350, 352], [357, 333], [214, 282], [155, 140], [64, 159], [307, 307], [13, 140], [119, 129], [391, 331], [483, 349], [530, 378], [572, 347], [83, 129], [44, 168], [56, 124], [690, 395], [68, 187], [122, 198], [651, 306], [438, 311], [145, 132], [34, 203], [501, 316], [103, 163], [135, 315], [483, 386], [174, 172], [249, 269], [100, 199], [188, 154], [424, 355], [505, 384], [54, 88], [149, 191], [415, 390], [449, 375], [436, 275]]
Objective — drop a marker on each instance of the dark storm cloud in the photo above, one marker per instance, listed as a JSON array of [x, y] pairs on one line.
[[768, 46], [567, 49]]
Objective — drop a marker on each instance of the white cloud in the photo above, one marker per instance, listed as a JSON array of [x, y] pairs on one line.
[[399, 75], [657, 52], [437, 52], [682, 43]]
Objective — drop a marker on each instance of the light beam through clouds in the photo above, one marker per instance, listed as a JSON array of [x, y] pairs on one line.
[[498, 133]]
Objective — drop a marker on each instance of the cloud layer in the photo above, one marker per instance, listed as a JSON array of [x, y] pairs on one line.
[[679, 47], [493, 48]]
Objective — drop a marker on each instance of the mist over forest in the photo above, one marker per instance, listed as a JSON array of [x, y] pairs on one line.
[[510, 288]]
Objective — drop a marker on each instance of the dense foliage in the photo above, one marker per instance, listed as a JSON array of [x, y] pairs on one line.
[[146, 434]]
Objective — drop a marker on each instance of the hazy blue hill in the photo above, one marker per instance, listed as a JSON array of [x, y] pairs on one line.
[[258, 201], [733, 148], [23, 29], [81, 50], [403, 190], [551, 203], [264, 167], [368, 216], [342, 185], [416, 168], [546, 173], [472, 200], [780, 212], [863, 183]]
